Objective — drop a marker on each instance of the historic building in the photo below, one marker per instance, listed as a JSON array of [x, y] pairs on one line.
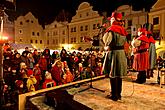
[[56, 35], [60, 34], [84, 24], [133, 19], [157, 18], [28, 31]]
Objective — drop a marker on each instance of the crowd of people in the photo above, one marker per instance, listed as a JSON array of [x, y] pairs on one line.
[[30, 71]]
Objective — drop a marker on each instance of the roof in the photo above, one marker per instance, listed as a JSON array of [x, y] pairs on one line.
[[20, 46]]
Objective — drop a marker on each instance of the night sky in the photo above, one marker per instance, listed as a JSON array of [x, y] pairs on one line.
[[47, 10]]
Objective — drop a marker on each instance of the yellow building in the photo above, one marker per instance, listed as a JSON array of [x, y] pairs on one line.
[[56, 35], [157, 18], [84, 23], [133, 19], [28, 31]]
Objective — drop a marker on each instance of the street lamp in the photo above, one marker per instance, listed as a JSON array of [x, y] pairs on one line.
[[2, 41]]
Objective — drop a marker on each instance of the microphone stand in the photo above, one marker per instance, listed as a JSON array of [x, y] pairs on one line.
[[91, 80]]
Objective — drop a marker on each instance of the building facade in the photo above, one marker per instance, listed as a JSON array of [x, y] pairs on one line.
[[133, 19], [157, 18], [60, 34], [84, 24], [28, 31], [56, 35]]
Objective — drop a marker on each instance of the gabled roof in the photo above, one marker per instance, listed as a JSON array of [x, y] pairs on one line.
[[159, 4]]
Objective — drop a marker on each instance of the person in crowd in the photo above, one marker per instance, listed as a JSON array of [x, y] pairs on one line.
[[115, 38], [68, 76], [43, 66], [36, 56], [37, 75], [49, 82], [31, 81], [31, 60], [141, 58], [57, 73], [152, 54], [25, 59], [47, 55], [63, 55]]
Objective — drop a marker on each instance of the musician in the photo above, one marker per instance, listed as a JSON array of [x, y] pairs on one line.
[[141, 58], [115, 38]]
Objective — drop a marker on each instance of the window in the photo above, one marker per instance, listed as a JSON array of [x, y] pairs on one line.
[[94, 26], [55, 26], [53, 33], [36, 41], [53, 41], [81, 39], [47, 33], [38, 34], [87, 14], [63, 40], [63, 32], [74, 39], [74, 29], [20, 40], [56, 41], [71, 40], [155, 20], [20, 31], [80, 15], [40, 41], [33, 34], [48, 42], [86, 27], [31, 41], [81, 28], [129, 22], [31, 21], [21, 23], [27, 21]]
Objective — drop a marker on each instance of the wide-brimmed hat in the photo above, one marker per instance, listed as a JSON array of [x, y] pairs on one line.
[[116, 15]]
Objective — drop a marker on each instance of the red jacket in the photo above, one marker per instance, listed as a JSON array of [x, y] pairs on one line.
[[48, 83]]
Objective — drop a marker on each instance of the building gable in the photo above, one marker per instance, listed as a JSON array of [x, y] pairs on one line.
[[160, 4], [84, 12]]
